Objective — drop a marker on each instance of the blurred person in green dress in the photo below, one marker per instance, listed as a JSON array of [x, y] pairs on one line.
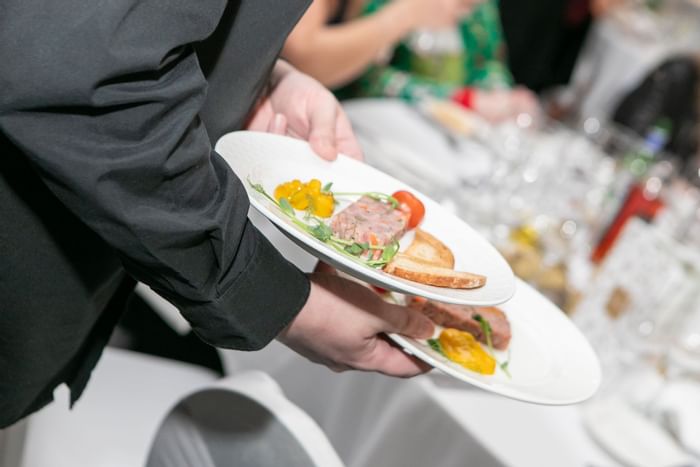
[[335, 43], [465, 63]]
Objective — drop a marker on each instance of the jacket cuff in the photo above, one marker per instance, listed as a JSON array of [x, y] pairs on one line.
[[264, 298]]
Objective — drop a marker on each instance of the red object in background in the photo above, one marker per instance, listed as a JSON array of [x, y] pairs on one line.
[[638, 203], [465, 97]]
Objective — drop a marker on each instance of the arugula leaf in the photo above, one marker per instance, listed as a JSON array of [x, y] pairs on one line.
[[375, 195], [286, 207], [435, 345], [321, 231], [390, 251], [383, 197], [355, 249], [257, 187], [486, 329], [504, 367]]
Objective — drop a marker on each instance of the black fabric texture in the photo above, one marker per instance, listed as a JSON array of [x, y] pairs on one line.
[[107, 122]]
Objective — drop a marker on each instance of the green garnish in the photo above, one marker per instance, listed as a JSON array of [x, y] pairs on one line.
[[383, 197], [327, 187], [504, 365], [355, 249], [435, 345], [390, 251], [321, 231], [487, 331], [286, 207]]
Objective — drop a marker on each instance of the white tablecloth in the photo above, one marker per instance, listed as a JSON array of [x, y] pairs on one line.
[[433, 420]]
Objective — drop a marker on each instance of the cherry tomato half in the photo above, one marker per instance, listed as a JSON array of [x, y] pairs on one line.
[[409, 203]]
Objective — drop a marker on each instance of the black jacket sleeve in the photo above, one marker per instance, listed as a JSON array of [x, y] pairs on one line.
[[106, 106]]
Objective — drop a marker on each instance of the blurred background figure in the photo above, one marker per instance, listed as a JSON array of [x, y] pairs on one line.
[[411, 49], [669, 96], [335, 45], [544, 37]]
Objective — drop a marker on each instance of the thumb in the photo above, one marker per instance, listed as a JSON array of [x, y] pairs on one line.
[[403, 320]]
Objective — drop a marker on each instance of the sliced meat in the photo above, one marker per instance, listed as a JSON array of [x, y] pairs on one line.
[[462, 317], [370, 221]]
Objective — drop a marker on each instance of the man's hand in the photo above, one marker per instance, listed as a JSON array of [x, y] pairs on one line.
[[301, 107], [341, 324]]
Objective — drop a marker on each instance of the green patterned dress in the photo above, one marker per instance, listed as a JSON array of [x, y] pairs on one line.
[[482, 62]]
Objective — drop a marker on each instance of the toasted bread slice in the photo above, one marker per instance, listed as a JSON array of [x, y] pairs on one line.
[[429, 249], [420, 271]]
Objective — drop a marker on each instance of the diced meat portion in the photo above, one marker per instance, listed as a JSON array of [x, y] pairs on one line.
[[370, 221], [462, 317]]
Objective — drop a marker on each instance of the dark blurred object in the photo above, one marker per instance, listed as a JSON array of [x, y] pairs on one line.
[[544, 39], [669, 92]]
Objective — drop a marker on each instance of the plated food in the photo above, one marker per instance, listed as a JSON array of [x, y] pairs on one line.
[[475, 338], [271, 160], [369, 230], [552, 362], [465, 335]]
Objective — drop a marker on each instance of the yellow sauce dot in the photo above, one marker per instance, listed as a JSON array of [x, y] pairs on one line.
[[461, 347]]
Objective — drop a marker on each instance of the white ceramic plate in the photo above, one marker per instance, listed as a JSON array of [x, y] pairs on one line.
[[270, 160], [551, 362]]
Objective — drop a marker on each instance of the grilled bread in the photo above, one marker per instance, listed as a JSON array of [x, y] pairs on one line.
[[417, 270], [429, 249]]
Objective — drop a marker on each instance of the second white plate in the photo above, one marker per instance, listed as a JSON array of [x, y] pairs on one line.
[[550, 361]]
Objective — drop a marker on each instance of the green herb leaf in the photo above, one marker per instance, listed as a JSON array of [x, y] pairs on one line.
[[486, 329], [435, 345], [390, 251], [286, 207], [355, 249], [504, 367], [321, 231], [257, 187], [327, 187], [383, 197]]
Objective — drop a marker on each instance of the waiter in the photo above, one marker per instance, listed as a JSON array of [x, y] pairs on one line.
[[108, 114]]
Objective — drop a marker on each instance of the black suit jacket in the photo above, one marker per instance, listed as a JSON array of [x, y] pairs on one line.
[[108, 114]]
